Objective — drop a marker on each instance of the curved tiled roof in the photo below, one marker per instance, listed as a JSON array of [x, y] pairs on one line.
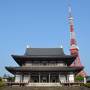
[[44, 52], [14, 70]]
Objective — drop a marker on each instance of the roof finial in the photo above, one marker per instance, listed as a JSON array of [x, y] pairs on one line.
[[61, 46], [28, 46]]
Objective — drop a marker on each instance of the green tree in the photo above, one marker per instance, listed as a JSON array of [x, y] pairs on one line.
[[0, 79], [11, 79], [79, 78], [1, 82]]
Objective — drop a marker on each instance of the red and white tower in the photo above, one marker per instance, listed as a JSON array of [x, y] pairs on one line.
[[74, 50]]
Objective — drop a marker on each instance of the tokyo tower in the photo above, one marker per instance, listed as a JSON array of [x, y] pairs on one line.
[[74, 50]]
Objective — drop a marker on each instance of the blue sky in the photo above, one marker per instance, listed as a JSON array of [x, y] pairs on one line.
[[42, 23]]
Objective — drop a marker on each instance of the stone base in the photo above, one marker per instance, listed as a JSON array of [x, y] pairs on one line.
[[44, 84], [43, 88]]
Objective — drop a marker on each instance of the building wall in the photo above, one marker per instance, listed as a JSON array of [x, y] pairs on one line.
[[71, 78], [26, 78], [18, 78], [62, 78], [22, 78]]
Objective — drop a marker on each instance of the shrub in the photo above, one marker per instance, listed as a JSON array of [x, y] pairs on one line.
[[79, 78], [85, 85], [0, 79], [1, 84]]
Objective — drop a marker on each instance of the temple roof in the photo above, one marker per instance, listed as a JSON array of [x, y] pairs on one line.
[[15, 70], [22, 59], [43, 54]]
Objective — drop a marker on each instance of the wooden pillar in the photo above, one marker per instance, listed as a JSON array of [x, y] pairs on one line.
[[59, 78], [15, 77], [20, 79], [49, 77], [39, 77], [66, 78], [29, 78]]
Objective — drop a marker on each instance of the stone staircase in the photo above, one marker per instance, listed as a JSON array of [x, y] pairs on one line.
[[44, 88], [44, 84]]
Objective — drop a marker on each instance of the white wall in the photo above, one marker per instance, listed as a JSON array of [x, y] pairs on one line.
[[62, 78], [28, 64], [26, 78], [71, 78], [17, 78], [61, 64], [85, 80]]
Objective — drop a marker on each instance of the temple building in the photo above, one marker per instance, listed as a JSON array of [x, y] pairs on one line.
[[44, 66]]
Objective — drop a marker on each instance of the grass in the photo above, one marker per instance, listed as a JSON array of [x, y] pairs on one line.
[[86, 85], [2, 84]]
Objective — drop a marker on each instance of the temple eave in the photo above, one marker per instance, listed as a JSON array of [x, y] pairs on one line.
[[68, 59], [14, 70]]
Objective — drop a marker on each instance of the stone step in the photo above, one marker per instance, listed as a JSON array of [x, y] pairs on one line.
[[44, 84], [43, 88]]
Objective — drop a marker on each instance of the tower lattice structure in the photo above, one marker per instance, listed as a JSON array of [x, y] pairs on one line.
[[74, 50]]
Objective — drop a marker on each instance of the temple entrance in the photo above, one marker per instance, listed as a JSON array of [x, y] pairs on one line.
[[62, 78], [47, 78], [54, 78], [34, 79], [44, 78]]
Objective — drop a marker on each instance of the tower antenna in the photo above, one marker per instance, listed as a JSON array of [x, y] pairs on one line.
[[69, 8]]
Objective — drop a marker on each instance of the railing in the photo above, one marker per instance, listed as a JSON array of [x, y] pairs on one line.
[[44, 84], [42, 65], [72, 84], [16, 83]]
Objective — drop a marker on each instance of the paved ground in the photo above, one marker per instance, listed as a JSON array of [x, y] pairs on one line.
[[44, 88]]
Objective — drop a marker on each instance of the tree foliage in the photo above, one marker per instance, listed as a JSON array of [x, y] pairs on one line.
[[79, 78], [1, 82], [11, 79], [0, 79]]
